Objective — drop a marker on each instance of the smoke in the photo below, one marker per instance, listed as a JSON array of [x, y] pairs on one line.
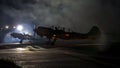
[[79, 15]]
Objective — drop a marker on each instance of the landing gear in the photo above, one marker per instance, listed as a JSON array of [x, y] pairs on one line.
[[21, 41], [52, 41]]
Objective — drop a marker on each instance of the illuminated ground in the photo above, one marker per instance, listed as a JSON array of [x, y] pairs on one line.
[[38, 57]]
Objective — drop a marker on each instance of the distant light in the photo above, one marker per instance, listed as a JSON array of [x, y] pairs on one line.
[[20, 27], [6, 27], [14, 27], [67, 35]]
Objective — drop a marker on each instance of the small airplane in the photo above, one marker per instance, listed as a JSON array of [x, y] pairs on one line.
[[52, 34], [21, 36]]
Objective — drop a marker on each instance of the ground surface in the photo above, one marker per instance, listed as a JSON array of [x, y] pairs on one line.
[[52, 57]]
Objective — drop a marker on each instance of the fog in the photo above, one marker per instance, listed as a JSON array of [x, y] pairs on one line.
[[79, 15]]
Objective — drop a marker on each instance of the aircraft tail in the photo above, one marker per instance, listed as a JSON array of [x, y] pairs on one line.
[[94, 32]]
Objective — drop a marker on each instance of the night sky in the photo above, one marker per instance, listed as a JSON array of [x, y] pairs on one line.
[[79, 15]]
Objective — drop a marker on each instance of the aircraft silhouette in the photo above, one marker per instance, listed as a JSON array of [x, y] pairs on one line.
[[56, 33], [21, 36]]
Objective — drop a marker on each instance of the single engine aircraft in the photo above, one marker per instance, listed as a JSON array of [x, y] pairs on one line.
[[21, 36], [56, 33]]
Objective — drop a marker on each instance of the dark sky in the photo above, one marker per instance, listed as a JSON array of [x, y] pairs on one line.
[[79, 15]]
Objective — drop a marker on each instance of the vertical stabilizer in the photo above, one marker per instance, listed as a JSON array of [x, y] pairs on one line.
[[94, 32]]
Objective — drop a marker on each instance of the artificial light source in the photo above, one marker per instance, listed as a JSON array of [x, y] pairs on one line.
[[6, 27], [14, 27], [20, 27]]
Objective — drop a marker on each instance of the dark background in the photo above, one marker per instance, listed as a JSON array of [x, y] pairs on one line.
[[79, 15]]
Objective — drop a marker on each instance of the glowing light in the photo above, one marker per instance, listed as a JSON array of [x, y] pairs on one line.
[[20, 27], [14, 27], [20, 49], [6, 27], [67, 35]]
